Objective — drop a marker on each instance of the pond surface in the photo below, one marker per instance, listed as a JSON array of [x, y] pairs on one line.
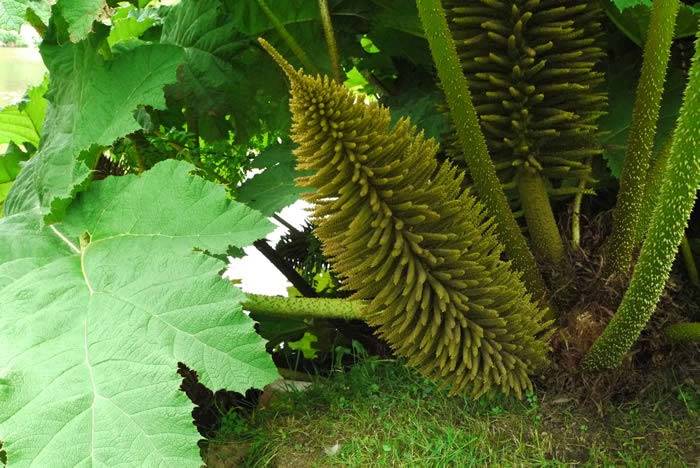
[[20, 67]]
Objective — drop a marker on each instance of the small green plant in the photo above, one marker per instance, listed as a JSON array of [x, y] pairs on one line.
[[690, 397]]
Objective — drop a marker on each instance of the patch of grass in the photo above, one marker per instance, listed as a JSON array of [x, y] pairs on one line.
[[383, 414]]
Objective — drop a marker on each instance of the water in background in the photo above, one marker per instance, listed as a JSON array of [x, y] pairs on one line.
[[20, 68]]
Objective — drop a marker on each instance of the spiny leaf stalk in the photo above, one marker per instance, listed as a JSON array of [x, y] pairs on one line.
[[305, 307], [640, 142], [405, 237], [473, 144], [681, 182], [652, 187]]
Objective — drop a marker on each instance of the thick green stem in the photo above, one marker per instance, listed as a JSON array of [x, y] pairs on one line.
[[305, 307], [681, 181], [684, 332], [640, 141], [545, 238], [651, 191], [330, 40], [473, 143], [689, 262], [576, 216], [36, 22], [651, 198], [292, 43]]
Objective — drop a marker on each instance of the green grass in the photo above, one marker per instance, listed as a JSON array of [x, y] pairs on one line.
[[382, 414]]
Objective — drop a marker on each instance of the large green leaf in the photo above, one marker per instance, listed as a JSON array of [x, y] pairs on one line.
[[98, 310], [274, 188], [13, 12], [130, 23], [21, 123], [615, 124], [79, 15], [624, 4], [10, 165], [632, 18], [22, 195], [397, 31], [226, 74], [421, 104], [208, 83], [302, 19], [17, 127], [92, 102]]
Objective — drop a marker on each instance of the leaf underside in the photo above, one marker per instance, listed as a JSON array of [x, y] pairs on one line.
[[98, 310], [274, 188]]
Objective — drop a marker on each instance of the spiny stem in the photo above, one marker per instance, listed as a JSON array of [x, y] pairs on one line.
[[473, 143], [304, 307], [651, 190], [36, 22], [689, 261], [678, 191], [292, 43], [640, 141], [544, 233], [330, 40]]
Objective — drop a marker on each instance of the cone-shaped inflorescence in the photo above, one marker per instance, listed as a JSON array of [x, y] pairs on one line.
[[404, 236], [530, 64], [473, 144], [531, 69]]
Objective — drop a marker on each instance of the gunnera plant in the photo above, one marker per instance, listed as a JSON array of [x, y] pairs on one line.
[[531, 67], [404, 236]]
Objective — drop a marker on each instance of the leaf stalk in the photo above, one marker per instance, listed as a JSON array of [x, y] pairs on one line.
[[678, 191], [292, 43], [330, 40], [305, 307], [640, 141]]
